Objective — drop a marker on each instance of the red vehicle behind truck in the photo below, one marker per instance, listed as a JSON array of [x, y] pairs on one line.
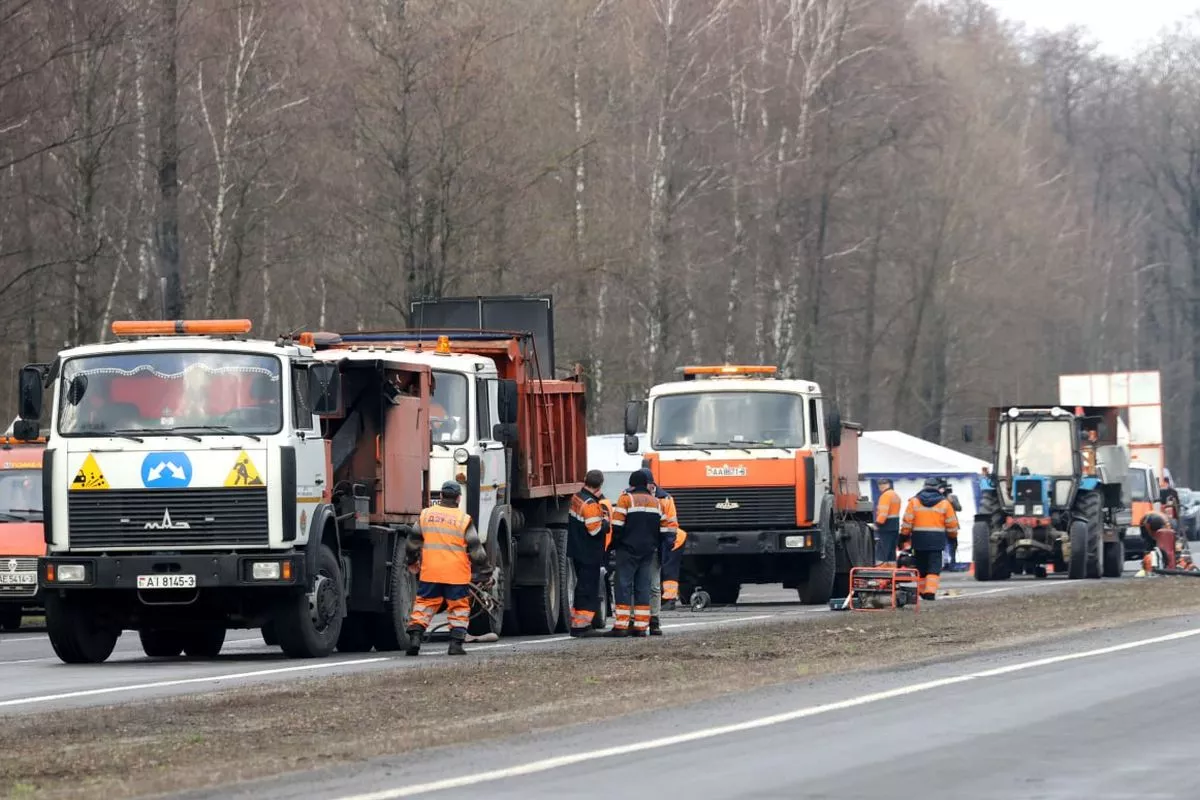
[[507, 431], [22, 539]]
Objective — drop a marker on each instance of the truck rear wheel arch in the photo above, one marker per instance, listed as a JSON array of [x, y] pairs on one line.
[[322, 529]]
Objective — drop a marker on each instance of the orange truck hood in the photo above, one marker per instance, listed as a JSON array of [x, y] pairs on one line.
[[22, 539], [675, 474]]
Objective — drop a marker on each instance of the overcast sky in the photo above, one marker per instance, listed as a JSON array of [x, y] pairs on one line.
[[1119, 26]]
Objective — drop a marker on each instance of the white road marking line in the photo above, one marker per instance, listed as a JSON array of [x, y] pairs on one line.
[[134, 687], [25, 661], [762, 722], [721, 621]]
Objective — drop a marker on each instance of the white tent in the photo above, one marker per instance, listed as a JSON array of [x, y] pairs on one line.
[[908, 461]]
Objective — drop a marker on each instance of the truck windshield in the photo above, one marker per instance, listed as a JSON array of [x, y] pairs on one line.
[[448, 410], [1135, 479], [728, 419], [20, 495], [1036, 447], [148, 394]]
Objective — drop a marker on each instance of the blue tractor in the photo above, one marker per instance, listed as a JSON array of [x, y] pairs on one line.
[[1054, 495]]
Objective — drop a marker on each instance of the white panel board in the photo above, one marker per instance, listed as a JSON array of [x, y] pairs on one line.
[[1144, 388], [1145, 425], [1075, 390]]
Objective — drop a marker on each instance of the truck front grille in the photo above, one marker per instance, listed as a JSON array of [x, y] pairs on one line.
[[756, 507], [16, 564], [159, 519]]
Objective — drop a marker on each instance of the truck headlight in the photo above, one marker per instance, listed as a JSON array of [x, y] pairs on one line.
[[797, 541], [68, 573], [266, 570], [1019, 508], [461, 455], [1038, 510]]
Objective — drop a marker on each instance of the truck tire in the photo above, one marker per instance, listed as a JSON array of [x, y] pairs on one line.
[[10, 617], [358, 635], [723, 592], [817, 586], [856, 549], [566, 590], [538, 606], [74, 634], [1078, 563], [161, 643], [390, 626], [310, 625], [1089, 509], [482, 621], [1114, 559], [269, 636], [204, 642]]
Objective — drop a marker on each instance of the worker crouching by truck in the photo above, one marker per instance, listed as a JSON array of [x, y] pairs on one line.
[[929, 524]]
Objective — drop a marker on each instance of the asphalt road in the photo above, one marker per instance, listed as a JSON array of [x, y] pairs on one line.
[[32, 679], [1102, 715]]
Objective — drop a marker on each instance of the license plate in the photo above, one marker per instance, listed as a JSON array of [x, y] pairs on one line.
[[166, 581], [18, 578]]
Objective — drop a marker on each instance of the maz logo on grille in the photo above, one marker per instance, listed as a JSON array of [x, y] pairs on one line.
[[167, 524], [727, 505], [725, 471]]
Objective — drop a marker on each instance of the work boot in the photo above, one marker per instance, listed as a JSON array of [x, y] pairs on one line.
[[617, 633], [456, 648], [655, 627], [584, 633], [929, 595], [414, 642], [639, 632]]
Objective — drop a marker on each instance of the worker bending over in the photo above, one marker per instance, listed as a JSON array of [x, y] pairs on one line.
[[887, 524], [638, 531], [588, 525], [929, 523], [658, 565], [447, 546]]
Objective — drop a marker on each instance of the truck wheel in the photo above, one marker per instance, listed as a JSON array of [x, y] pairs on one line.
[[723, 592], [857, 549], [160, 643], [981, 551], [391, 625], [566, 593], [74, 634], [1089, 509], [1078, 563], [817, 586], [538, 606], [1114, 559], [310, 625], [269, 636], [204, 642], [10, 618], [357, 634], [483, 621]]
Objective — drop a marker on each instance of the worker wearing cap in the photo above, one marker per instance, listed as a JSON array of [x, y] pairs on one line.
[[887, 524], [447, 546], [928, 523], [637, 534], [670, 524], [587, 528]]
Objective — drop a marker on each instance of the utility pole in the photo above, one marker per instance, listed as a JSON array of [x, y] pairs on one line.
[[168, 164]]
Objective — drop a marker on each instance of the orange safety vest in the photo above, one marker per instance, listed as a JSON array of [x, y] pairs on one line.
[[608, 509], [444, 556], [680, 538], [888, 508]]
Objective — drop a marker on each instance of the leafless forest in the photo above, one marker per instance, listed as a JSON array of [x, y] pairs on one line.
[[914, 204]]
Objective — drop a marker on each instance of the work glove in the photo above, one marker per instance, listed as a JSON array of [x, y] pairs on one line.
[[483, 577]]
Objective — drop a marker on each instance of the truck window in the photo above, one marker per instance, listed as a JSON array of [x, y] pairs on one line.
[[448, 409], [158, 393], [301, 409], [483, 414], [814, 422], [728, 418], [20, 495], [1138, 491]]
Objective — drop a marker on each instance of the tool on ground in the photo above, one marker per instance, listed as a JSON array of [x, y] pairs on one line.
[[701, 600], [483, 602], [880, 589]]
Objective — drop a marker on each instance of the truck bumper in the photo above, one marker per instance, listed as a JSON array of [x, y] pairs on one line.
[[752, 543], [211, 571]]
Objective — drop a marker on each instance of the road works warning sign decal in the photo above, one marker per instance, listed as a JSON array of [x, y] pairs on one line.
[[89, 475], [244, 473]]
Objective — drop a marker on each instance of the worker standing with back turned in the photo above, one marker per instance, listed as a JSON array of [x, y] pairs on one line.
[[658, 567], [887, 524], [637, 534], [587, 528], [447, 546], [929, 523]]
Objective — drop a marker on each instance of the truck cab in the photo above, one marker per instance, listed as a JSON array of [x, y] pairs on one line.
[[765, 481], [21, 535]]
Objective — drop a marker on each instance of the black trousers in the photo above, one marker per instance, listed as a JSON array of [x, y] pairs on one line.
[[929, 562], [587, 591]]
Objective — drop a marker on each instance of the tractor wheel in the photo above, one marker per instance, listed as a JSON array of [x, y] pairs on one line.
[[1114, 559], [1089, 510], [1078, 563], [981, 551]]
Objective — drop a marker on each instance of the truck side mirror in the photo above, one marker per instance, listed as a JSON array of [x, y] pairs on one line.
[[324, 388], [833, 427], [507, 394], [967, 433], [30, 392], [633, 411], [631, 443], [505, 433]]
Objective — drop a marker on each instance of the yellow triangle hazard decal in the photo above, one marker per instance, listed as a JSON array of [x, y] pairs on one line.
[[244, 473], [89, 475]]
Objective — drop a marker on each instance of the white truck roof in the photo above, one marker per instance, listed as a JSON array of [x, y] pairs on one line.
[[735, 385], [455, 362], [161, 343]]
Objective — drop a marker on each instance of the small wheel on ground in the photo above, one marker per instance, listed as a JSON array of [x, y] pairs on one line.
[[74, 633], [161, 643], [204, 642], [309, 626], [10, 617]]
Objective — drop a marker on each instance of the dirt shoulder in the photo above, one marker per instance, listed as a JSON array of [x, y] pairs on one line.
[[213, 739]]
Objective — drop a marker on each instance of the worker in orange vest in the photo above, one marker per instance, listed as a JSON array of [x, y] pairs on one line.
[[929, 523], [638, 533], [587, 527], [657, 576], [887, 524], [446, 546]]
